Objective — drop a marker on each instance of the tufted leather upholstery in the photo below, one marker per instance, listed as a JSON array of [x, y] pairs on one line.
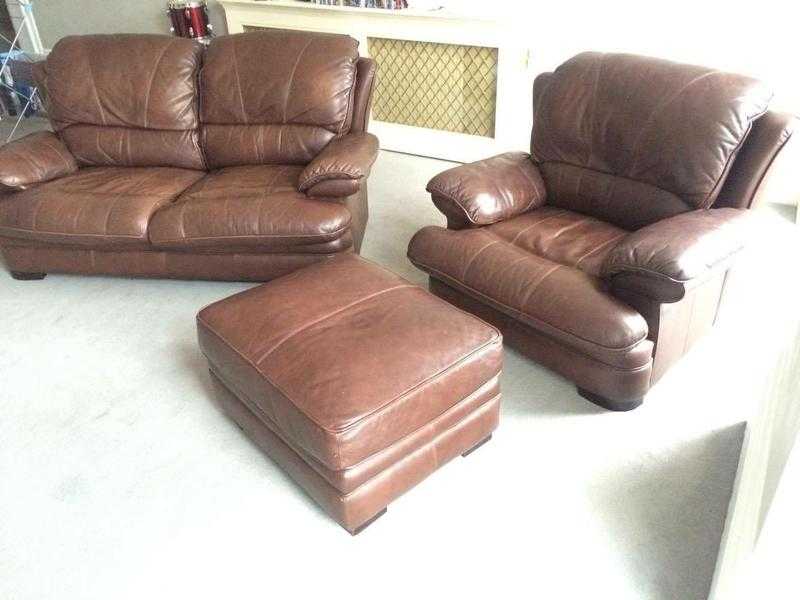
[[605, 261], [190, 156]]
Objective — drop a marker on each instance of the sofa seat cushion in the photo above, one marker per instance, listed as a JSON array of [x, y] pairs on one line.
[[97, 206], [562, 236], [253, 207], [345, 359], [559, 300]]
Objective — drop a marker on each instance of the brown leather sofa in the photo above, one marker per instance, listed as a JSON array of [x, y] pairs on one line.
[[244, 161], [603, 253]]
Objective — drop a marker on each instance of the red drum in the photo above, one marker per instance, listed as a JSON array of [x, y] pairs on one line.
[[190, 19]]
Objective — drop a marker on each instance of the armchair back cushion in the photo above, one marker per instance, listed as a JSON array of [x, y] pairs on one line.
[[633, 140], [142, 115], [276, 97]]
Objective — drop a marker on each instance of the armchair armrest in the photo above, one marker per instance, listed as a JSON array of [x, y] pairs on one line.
[[666, 259], [340, 168], [488, 191], [33, 159]]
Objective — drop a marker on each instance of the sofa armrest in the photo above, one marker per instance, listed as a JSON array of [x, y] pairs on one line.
[[488, 191], [33, 159], [666, 259], [341, 167]]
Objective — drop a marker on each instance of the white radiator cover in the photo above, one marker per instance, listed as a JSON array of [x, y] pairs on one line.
[[507, 129]]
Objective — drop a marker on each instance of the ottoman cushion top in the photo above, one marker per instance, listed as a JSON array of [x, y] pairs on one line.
[[344, 358]]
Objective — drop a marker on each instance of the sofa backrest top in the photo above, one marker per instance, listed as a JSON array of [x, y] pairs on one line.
[[127, 80], [648, 136], [279, 95], [280, 77], [127, 99], [262, 97]]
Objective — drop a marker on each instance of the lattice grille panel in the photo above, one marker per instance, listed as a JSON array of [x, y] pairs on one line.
[[437, 86]]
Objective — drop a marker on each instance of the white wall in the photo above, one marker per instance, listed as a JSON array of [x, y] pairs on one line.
[[758, 38], [755, 38], [775, 387], [57, 18]]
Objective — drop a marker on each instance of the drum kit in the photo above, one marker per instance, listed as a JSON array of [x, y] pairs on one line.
[[190, 19]]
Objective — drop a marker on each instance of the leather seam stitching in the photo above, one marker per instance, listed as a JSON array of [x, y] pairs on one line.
[[150, 83], [239, 83], [291, 78], [495, 337], [474, 256], [597, 249], [71, 234], [258, 412], [332, 234]]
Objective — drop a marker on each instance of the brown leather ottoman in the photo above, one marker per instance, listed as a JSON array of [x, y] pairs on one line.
[[356, 382]]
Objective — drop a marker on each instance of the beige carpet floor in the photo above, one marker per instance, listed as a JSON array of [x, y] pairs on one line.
[[119, 477]]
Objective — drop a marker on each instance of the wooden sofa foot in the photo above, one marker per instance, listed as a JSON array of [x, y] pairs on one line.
[[609, 404], [22, 276], [478, 445], [363, 526]]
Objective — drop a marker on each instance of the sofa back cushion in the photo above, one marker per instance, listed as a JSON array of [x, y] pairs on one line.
[[276, 97], [126, 100], [632, 140]]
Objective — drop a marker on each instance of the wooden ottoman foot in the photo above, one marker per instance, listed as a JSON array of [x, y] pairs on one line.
[[608, 403], [363, 526], [478, 445], [22, 276]]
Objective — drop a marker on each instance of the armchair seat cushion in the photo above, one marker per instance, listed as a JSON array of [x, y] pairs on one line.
[[99, 207], [562, 236], [253, 207], [555, 298]]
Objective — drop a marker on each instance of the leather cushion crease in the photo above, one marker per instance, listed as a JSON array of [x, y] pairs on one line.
[[546, 295], [253, 206], [96, 206]]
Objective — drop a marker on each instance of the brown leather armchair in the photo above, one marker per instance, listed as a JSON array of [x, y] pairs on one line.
[[244, 161], [603, 253]]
